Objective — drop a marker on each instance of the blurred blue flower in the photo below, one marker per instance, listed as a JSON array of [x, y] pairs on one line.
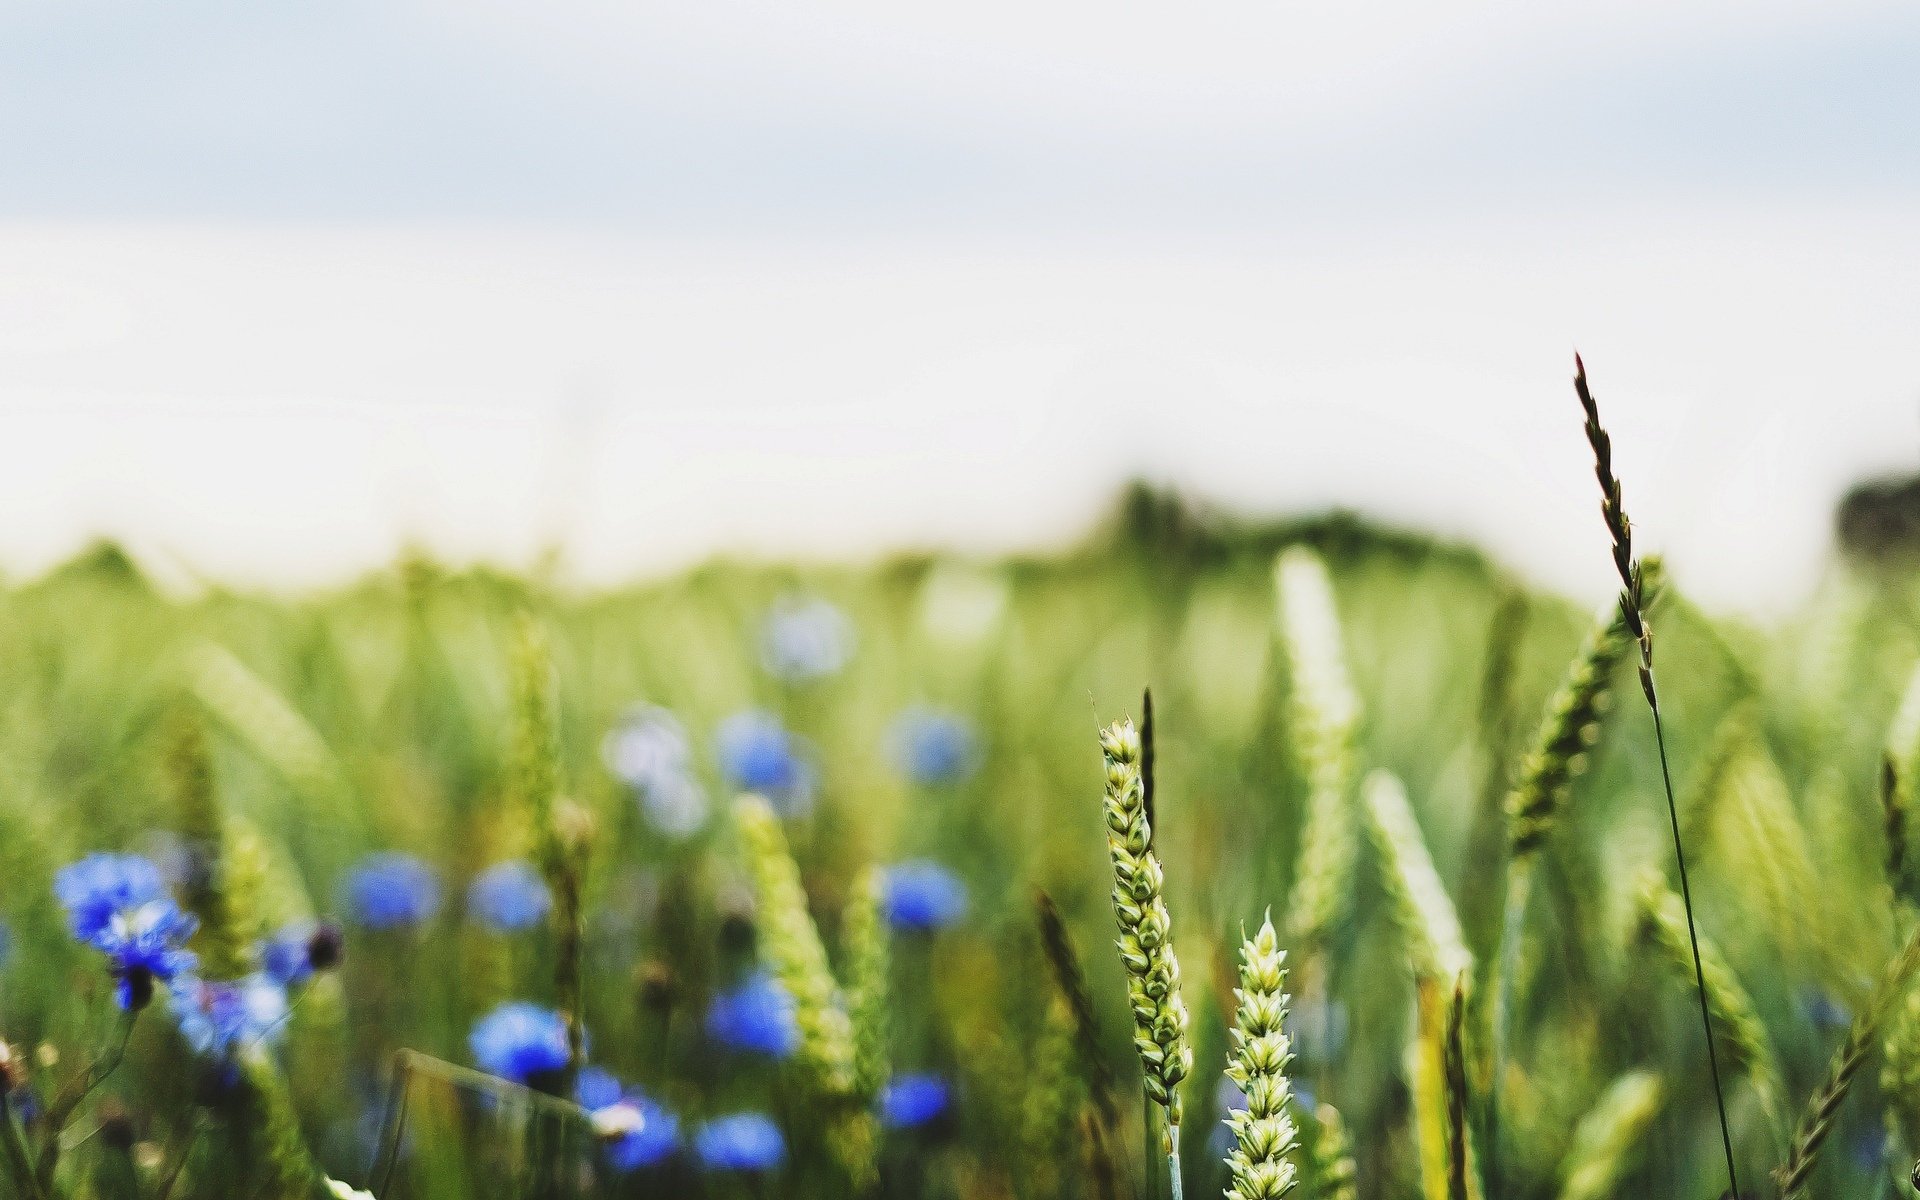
[[932, 747], [910, 1101], [284, 958], [1870, 1148], [923, 895], [509, 897], [747, 1141], [392, 891], [220, 1019], [757, 1016], [805, 639], [650, 753], [1823, 1010], [640, 1131], [6, 943], [758, 754], [101, 887], [520, 1041], [145, 946]]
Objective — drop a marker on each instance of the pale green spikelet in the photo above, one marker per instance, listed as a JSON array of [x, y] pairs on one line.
[[1423, 908], [218, 875], [1749, 819], [1050, 1102], [790, 944], [867, 957], [1322, 716], [1737, 1024], [1263, 1132], [1334, 1174], [1146, 947], [1609, 1138], [1817, 1121], [1571, 726]]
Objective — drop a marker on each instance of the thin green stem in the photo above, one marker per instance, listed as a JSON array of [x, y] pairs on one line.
[[61, 1111], [1173, 1162], [1693, 936]]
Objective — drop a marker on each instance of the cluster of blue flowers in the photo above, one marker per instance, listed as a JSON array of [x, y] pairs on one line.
[[220, 1019], [392, 891], [756, 1017], [509, 897], [805, 639], [922, 896], [650, 753], [931, 747], [759, 754], [117, 904]]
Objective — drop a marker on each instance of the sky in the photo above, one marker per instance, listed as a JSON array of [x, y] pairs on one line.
[[283, 287]]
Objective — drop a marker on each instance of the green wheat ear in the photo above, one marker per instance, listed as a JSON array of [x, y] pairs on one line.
[[1610, 1137], [867, 957], [1263, 1132], [1422, 907], [1334, 1175], [1738, 1026], [1322, 717], [1146, 947], [790, 944]]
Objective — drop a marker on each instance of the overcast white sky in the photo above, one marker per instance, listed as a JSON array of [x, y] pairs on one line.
[[284, 285]]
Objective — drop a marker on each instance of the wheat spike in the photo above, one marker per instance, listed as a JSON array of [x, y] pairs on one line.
[[1322, 716], [1146, 947], [1609, 1137], [1264, 1137], [1739, 1029], [1422, 905], [1817, 1122], [867, 955]]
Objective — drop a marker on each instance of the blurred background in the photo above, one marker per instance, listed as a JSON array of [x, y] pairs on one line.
[[286, 288]]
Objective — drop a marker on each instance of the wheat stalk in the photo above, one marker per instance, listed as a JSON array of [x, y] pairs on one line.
[[1146, 948], [1421, 904], [864, 932], [1633, 613]]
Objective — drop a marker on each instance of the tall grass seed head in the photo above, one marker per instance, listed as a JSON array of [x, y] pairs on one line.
[[1263, 1130]]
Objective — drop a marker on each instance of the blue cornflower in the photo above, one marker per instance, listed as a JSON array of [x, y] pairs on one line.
[[6, 943], [757, 1016], [145, 946], [221, 1019], [805, 639], [747, 1141], [1824, 1011], [392, 891], [923, 895], [638, 1132], [910, 1101], [520, 1042], [291, 956], [758, 754], [650, 753], [509, 897], [932, 747], [101, 887]]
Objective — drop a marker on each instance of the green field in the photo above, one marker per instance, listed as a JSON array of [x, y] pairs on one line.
[[270, 743]]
